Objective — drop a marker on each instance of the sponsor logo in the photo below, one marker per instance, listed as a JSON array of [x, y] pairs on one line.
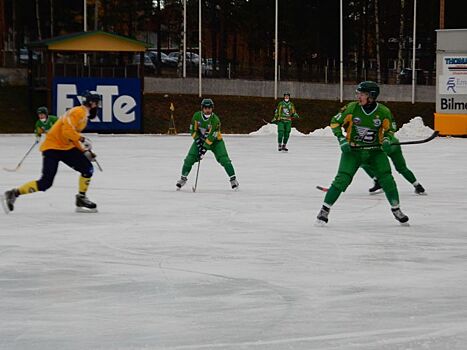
[[365, 134], [121, 101], [377, 122], [455, 65], [451, 84], [120, 107], [452, 104]]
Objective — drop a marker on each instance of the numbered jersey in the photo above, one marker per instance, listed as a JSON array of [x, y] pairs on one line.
[[43, 127], [362, 128], [209, 129], [285, 111]]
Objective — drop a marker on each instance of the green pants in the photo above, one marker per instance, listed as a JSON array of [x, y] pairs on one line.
[[399, 163], [283, 131], [348, 166], [220, 152]]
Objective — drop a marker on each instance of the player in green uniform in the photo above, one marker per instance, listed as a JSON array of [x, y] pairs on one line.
[[205, 130], [283, 116], [366, 123], [397, 158], [44, 122]]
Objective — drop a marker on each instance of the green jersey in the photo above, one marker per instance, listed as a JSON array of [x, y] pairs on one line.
[[285, 111], [207, 128], [43, 127], [363, 128]]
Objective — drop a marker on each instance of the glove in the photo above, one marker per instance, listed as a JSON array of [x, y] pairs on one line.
[[201, 149], [86, 143], [92, 113], [90, 155], [345, 147], [386, 145]]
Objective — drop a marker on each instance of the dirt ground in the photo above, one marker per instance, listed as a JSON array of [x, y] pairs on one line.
[[240, 115]]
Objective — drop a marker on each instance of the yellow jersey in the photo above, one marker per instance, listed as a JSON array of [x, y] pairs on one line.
[[66, 132]]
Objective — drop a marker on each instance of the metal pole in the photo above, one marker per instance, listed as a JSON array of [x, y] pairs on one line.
[[199, 46], [85, 26], [414, 72], [341, 54], [276, 38], [184, 38]]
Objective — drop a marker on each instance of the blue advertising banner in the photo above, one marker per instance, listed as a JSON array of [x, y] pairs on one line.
[[121, 102]]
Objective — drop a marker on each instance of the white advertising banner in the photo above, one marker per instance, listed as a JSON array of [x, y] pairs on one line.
[[453, 77]]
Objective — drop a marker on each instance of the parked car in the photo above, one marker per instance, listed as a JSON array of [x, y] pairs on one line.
[[191, 57], [406, 76], [24, 56], [165, 59], [149, 67]]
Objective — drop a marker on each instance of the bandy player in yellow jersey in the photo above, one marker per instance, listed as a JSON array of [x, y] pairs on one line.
[[65, 143]]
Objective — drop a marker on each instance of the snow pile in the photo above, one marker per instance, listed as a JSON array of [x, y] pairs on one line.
[[414, 129], [327, 131], [271, 129]]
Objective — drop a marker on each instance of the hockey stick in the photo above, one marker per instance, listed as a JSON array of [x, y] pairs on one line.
[[415, 142], [98, 165], [321, 188], [196, 180], [22, 160]]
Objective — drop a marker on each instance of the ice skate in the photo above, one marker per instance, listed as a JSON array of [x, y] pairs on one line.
[[84, 205], [8, 200], [376, 188], [279, 148], [322, 218], [181, 182], [420, 190], [234, 183], [284, 148], [400, 216]]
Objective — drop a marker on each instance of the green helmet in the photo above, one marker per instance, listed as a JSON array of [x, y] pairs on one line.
[[369, 87], [42, 110], [207, 102]]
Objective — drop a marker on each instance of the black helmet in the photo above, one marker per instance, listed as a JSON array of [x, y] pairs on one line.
[[207, 102], [369, 87], [286, 94], [42, 110], [91, 96]]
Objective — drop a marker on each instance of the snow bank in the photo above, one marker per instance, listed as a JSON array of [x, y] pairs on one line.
[[414, 129], [271, 129]]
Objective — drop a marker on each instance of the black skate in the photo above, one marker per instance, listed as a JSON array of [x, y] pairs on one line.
[[323, 216], [400, 216], [234, 183], [8, 200], [420, 190], [279, 148], [376, 188], [181, 182], [84, 205], [284, 148]]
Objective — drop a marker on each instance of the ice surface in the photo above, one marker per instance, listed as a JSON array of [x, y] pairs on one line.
[[217, 269]]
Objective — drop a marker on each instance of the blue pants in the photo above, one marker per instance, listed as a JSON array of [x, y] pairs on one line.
[[74, 158]]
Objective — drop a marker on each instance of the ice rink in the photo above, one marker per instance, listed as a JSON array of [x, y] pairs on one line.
[[218, 269]]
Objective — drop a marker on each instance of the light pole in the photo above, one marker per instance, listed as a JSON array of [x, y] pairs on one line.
[[276, 39], [414, 72]]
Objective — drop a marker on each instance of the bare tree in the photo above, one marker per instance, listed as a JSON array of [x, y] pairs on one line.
[[378, 42], [401, 41], [39, 34]]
